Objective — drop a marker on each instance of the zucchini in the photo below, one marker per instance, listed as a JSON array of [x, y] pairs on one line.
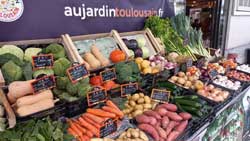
[[189, 97], [188, 103], [179, 107], [193, 111]]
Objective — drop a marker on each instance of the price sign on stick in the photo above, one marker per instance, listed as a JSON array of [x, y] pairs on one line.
[[44, 83], [77, 73], [108, 74], [109, 127], [160, 95], [42, 61], [96, 97], [129, 88]]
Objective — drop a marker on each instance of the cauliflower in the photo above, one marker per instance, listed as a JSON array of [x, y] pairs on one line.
[[29, 52], [12, 72], [12, 49]]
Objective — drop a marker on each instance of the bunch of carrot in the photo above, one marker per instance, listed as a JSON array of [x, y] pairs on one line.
[[88, 124]]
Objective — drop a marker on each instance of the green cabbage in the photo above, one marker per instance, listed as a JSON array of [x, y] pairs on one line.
[[12, 72], [12, 49], [60, 66], [43, 71], [61, 82], [56, 49], [29, 52]]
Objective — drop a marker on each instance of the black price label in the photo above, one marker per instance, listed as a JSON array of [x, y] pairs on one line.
[[109, 127], [108, 74], [43, 83], [189, 63], [77, 73], [213, 73], [160, 95], [129, 88], [176, 69], [183, 67], [42, 61], [96, 97], [201, 62]]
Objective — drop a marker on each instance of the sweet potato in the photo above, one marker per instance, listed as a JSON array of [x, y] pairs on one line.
[[170, 107], [152, 120], [171, 126], [142, 119], [182, 126], [162, 111], [174, 116], [173, 135], [150, 130], [185, 115], [161, 132], [165, 122], [153, 114], [161, 139]]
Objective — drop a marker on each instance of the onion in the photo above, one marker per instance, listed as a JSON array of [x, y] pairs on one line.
[[152, 64], [158, 62], [152, 58]]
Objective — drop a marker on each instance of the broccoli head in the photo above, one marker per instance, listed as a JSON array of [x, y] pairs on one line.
[[60, 66], [12, 72]]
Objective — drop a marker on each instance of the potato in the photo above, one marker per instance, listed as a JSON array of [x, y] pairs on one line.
[[181, 74], [143, 136], [128, 134], [125, 111], [136, 113], [147, 106], [122, 135], [119, 139], [135, 97], [147, 99], [140, 100], [107, 139], [129, 97], [141, 94], [139, 107], [126, 105], [135, 134], [181, 81], [132, 103]]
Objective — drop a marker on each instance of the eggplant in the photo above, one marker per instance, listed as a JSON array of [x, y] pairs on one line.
[[138, 52], [133, 44], [126, 41]]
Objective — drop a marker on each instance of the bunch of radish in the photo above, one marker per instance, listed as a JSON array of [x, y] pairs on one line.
[[163, 123]]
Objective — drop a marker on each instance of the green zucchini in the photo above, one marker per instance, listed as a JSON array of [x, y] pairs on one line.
[[188, 103], [187, 97], [192, 110]]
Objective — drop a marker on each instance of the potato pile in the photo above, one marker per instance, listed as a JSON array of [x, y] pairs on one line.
[[187, 81], [133, 135], [137, 104]]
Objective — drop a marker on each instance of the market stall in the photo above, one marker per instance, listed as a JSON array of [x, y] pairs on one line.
[[155, 84]]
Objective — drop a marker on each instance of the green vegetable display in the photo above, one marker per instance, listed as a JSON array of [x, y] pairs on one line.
[[12, 49], [4, 58], [37, 130], [43, 71], [29, 52], [127, 72], [60, 66], [12, 72], [56, 49]]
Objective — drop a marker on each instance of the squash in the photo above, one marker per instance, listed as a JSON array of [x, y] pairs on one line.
[[96, 52], [117, 56], [19, 89], [91, 60], [36, 107], [31, 99]]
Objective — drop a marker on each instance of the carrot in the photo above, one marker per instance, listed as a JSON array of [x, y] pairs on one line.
[[113, 110], [89, 134], [99, 112], [111, 104], [95, 118], [91, 122], [74, 128], [87, 125], [72, 132], [86, 138], [83, 130], [82, 138]]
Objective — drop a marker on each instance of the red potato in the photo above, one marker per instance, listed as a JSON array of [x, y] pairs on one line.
[[173, 135], [150, 130], [161, 131], [182, 126], [153, 114], [152, 120], [185, 115], [162, 111], [165, 122], [142, 119], [171, 126], [174, 116]]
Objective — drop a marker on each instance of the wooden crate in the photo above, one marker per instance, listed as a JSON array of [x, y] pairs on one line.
[[35, 42], [68, 41], [153, 44]]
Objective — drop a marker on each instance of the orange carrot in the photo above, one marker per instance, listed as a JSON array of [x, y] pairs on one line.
[[111, 104], [113, 110], [75, 128], [89, 134], [99, 112], [91, 122], [86, 138], [87, 125], [83, 130], [95, 118], [72, 132], [82, 138]]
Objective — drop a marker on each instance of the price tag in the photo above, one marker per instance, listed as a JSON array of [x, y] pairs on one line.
[[189, 63], [96, 97], [176, 69], [44, 83], [77, 73], [160, 95], [201, 62], [108, 74], [42, 61], [109, 127], [184, 67], [213, 73], [129, 88]]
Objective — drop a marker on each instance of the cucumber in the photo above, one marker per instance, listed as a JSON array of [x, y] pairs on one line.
[[187, 97], [179, 107], [192, 111], [188, 103]]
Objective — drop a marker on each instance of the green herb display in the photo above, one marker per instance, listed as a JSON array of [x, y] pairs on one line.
[[37, 130]]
